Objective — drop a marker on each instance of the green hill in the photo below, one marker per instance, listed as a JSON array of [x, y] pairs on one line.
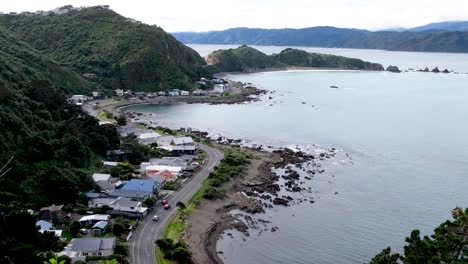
[[122, 53], [21, 64], [246, 59]]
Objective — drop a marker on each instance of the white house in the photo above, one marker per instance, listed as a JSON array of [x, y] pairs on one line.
[[148, 138], [119, 92], [184, 93], [93, 219], [186, 141], [120, 205], [199, 92], [80, 248], [173, 93], [105, 181], [44, 226], [162, 93], [78, 99]]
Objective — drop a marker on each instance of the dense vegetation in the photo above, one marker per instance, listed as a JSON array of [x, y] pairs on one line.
[[448, 244], [332, 37], [121, 52], [246, 59]]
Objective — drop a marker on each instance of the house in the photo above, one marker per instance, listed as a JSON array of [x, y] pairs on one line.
[[116, 154], [162, 93], [78, 99], [105, 181], [182, 141], [110, 163], [44, 226], [120, 206], [140, 94], [119, 92], [199, 92], [173, 93], [151, 95], [169, 161], [138, 195], [96, 95], [139, 185], [179, 150], [99, 228], [148, 138], [165, 140], [93, 219], [184, 93], [52, 213], [157, 177], [219, 88], [80, 248], [128, 93]]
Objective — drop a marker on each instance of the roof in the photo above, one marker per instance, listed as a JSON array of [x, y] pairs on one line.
[[101, 225], [92, 195], [163, 168], [164, 140], [52, 208], [104, 201], [182, 141], [44, 225], [148, 135], [93, 244], [157, 178], [130, 193], [110, 163], [183, 148], [139, 185], [105, 185], [124, 202], [169, 162], [101, 177], [95, 217]]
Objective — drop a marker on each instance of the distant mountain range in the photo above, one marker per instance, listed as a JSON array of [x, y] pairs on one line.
[[437, 37]]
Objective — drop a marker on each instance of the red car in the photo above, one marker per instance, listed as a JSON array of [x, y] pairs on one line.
[[164, 202]]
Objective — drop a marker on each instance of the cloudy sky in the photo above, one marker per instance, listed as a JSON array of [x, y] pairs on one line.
[[205, 15]]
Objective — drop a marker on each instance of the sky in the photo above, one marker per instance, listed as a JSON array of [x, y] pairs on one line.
[[206, 15]]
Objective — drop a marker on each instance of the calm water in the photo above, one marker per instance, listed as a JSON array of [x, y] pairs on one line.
[[406, 134]]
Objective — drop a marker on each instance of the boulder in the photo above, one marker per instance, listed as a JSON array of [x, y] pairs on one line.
[[435, 70], [392, 68]]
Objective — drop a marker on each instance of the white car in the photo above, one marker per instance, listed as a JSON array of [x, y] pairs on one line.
[[155, 218]]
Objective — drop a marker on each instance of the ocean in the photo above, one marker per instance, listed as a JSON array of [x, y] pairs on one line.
[[406, 135]]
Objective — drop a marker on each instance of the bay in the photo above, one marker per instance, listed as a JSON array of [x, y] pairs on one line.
[[406, 134]]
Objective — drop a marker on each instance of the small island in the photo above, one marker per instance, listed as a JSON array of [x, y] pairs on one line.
[[248, 59]]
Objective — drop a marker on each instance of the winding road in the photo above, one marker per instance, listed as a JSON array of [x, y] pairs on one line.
[[141, 246]]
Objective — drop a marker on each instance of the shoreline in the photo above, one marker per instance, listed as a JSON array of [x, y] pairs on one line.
[[287, 69]]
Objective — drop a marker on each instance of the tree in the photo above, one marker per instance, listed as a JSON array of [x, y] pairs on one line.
[[75, 228], [448, 244], [54, 260], [121, 120], [118, 229], [121, 249], [181, 255], [181, 205]]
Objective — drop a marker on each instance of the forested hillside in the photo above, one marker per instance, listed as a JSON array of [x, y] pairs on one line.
[[247, 59], [121, 52]]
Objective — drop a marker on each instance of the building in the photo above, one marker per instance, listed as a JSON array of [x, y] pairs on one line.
[[219, 88], [173, 93], [169, 161], [162, 93], [148, 138], [120, 206], [99, 228], [182, 141], [116, 154], [78, 99], [179, 150], [199, 92], [138, 195], [80, 248], [165, 140], [119, 92], [140, 94], [52, 213], [44, 226], [184, 93], [105, 181], [96, 95], [93, 219]]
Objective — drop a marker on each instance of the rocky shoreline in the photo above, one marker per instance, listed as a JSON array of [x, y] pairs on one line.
[[276, 177]]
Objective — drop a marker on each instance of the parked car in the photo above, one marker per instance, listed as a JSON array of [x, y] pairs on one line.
[[164, 202], [155, 218], [167, 206]]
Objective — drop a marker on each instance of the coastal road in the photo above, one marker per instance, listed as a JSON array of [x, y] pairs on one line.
[[141, 246]]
